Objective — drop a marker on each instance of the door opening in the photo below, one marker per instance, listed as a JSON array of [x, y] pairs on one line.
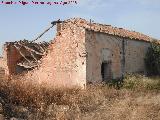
[[106, 71]]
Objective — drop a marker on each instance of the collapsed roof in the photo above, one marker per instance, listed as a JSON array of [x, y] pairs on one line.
[[37, 50], [34, 51], [30, 51]]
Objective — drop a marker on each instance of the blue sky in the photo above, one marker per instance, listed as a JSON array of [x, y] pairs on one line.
[[26, 22]]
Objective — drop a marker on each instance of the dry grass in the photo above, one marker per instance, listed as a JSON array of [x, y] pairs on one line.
[[138, 99], [139, 82]]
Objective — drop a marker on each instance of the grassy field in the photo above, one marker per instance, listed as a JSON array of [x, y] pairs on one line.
[[137, 99]]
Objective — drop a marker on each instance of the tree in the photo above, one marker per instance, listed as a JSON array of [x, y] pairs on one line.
[[152, 59]]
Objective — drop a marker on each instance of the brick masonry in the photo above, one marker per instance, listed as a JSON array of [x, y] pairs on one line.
[[65, 63]]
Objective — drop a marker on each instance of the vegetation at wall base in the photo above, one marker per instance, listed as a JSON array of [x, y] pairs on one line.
[[152, 59], [138, 98]]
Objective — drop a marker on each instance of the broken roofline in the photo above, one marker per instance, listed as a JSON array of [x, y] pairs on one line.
[[38, 48], [103, 28], [35, 50]]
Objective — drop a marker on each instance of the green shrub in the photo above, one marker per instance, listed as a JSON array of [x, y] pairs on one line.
[[139, 82], [152, 59]]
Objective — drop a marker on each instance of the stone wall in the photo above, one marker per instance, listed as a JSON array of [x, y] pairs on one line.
[[135, 52], [12, 56], [3, 68], [2, 72], [3, 64], [24, 53], [65, 63], [95, 43], [127, 58]]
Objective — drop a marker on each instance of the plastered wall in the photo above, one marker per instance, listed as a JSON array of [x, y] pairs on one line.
[[124, 59], [95, 43], [135, 52]]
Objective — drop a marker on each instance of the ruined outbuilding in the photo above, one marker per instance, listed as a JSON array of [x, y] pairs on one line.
[[23, 55], [82, 52]]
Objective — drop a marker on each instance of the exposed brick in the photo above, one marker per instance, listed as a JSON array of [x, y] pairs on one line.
[[63, 65]]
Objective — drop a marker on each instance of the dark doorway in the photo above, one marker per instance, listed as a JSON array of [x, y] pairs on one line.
[[106, 71]]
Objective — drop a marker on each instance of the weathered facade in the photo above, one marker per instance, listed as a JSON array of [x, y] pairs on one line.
[[111, 57], [83, 52], [2, 72], [22, 55]]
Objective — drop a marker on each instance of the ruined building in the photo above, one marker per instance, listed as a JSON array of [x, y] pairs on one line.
[[82, 52]]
